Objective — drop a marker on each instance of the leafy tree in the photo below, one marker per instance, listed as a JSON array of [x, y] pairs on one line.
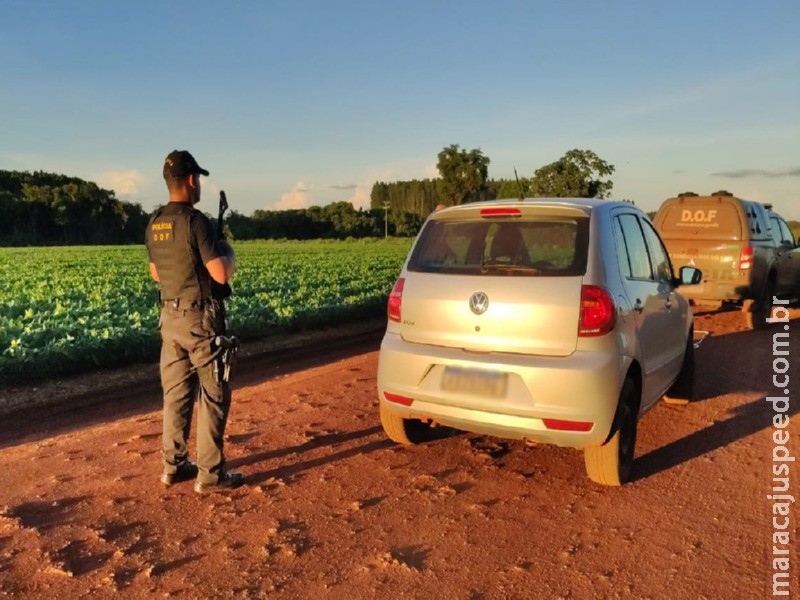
[[341, 217], [45, 208], [509, 188], [407, 223], [577, 174], [417, 196], [379, 194], [38, 224], [136, 220], [337, 220], [463, 174]]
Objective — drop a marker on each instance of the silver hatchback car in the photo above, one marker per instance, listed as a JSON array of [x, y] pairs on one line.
[[552, 321]]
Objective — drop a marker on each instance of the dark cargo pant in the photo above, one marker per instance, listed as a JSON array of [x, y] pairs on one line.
[[188, 355]]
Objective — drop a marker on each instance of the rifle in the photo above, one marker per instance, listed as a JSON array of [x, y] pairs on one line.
[[220, 291]]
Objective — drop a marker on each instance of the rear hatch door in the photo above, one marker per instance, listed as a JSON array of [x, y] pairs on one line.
[[719, 261], [706, 233], [525, 315], [498, 279]]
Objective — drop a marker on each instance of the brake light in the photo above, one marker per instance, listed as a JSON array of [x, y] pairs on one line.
[[395, 299], [746, 258], [567, 425], [598, 313], [398, 399], [501, 212]]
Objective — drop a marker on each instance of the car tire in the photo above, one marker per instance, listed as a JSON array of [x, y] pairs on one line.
[[682, 390], [611, 462], [402, 430], [757, 312]]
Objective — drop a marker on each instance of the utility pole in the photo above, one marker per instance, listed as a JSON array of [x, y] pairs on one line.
[[385, 219]]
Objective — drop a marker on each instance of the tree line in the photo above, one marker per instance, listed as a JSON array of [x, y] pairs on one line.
[[338, 220], [399, 208], [464, 178], [42, 208]]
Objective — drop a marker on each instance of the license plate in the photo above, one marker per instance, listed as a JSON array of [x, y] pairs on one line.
[[491, 384]]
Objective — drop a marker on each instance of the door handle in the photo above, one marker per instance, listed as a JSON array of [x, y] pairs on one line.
[[638, 306]]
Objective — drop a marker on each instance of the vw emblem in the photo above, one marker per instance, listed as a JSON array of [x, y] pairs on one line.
[[478, 303]]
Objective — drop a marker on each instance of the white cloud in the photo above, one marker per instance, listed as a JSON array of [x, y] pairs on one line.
[[124, 183], [431, 171], [299, 197], [400, 170], [361, 197]]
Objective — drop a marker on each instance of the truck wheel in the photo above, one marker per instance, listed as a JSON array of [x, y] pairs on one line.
[[404, 431], [682, 390], [611, 462], [757, 312]]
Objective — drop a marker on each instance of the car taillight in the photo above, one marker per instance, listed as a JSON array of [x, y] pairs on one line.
[[562, 425], [746, 258], [397, 399], [598, 313], [395, 299]]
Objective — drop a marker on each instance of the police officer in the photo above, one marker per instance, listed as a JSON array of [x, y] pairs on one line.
[[188, 259]]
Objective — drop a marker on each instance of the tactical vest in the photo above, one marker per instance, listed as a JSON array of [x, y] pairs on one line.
[[174, 252]]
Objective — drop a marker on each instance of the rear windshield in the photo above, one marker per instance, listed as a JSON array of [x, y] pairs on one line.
[[709, 220], [530, 247]]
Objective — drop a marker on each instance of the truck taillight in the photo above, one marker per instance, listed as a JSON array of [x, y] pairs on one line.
[[598, 313], [395, 299], [746, 258]]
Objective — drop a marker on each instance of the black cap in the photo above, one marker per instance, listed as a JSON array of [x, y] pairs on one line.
[[179, 163]]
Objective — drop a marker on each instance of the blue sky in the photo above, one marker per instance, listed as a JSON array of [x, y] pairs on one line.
[[290, 104]]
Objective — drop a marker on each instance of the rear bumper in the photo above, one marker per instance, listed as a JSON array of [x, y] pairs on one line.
[[583, 387], [718, 284]]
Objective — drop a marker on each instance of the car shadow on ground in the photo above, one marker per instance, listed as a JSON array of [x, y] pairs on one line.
[[736, 362], [747, 419]]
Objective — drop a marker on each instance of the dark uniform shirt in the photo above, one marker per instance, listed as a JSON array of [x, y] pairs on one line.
[[180, 241]]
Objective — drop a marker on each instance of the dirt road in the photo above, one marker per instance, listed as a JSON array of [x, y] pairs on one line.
[[334, 510]]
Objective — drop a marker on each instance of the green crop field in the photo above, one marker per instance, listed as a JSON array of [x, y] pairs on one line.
[[74, 309]]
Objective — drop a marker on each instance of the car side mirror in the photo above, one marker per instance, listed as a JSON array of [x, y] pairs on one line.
[[689, 276]]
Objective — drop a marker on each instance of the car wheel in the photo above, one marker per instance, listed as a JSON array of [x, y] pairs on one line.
[[402, 430], [611, 462], [682, 390], [757, 312]]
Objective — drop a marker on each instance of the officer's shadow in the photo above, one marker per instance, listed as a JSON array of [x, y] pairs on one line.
[[288, 471]]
